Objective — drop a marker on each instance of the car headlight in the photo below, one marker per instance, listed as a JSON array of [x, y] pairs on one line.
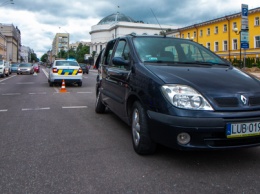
[[185, 97]]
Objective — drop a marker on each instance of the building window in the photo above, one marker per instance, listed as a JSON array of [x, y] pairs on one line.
[[216, 46], [208, 45], [195, 34], [182, 36], [216, 29], [208, 31], [256, 21], [235, 44], [225, 28], [201, 32], [234, 25], [257, 42], [225, 45], [188, 36], [100, 48]]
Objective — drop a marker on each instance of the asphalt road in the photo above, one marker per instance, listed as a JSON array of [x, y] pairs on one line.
[[52, 142]]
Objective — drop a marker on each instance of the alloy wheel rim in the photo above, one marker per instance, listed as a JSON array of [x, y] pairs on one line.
[[136, 127]]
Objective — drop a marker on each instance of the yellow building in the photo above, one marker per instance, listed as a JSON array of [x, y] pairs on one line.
[[222, 35]]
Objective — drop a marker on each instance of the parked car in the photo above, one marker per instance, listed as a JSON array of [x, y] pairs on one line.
[[14, 67], [26, 68], [5, 69], [177, 93], [36, 68], [67, 70], [84, 68]]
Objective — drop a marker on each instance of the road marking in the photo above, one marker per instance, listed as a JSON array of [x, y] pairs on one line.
[[38, 93], [11, 94], [84, 92], [25, 83], [29, 109], [74, 107], [7, 78], [3, 110]]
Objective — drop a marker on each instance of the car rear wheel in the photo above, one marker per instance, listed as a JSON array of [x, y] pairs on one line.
[[79, 84], [50, 83], [99, 106], [142, 142]]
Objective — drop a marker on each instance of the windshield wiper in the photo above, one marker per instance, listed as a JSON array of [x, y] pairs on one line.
[[208, 63]]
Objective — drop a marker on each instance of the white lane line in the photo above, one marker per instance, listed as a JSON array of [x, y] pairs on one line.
[[28, 109], [25, 83], [11, 94], [38, 93], [7, 78], [85, 92], [74, 107], [3, 110], [45, 72]]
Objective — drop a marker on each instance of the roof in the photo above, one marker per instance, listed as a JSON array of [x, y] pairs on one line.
[[115, 17]]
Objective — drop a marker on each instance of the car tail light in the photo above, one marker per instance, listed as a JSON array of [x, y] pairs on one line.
[[80, 70], [54, 70]]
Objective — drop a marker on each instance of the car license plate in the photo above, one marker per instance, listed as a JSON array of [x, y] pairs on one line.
[[68, 70], [243, 129]]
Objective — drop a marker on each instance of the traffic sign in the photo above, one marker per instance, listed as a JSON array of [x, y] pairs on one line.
[[244, 17]]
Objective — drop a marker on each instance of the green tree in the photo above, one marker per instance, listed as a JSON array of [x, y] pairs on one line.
[[44, 58], [34, 58]]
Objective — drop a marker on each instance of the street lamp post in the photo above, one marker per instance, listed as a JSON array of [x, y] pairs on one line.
[[240, 56]]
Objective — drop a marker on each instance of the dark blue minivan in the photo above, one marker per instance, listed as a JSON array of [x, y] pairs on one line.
[[177, 93]]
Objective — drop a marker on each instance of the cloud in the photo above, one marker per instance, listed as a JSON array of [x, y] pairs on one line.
[[39, 20]]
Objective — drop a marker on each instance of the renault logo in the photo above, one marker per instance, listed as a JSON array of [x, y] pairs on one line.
[[243, 99]]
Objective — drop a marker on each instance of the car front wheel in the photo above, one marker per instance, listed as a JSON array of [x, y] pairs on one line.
[[99, 106], [142, 142]]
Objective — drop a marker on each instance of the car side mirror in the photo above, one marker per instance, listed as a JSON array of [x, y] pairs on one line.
[[119, 61]]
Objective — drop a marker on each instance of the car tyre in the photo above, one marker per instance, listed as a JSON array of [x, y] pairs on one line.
[[50, 83], [99, 106], [142, 142], [79, 84]]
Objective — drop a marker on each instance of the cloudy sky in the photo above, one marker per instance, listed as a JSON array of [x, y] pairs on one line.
[[40, 20]]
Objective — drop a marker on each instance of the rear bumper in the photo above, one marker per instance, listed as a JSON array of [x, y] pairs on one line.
[[66, 80]]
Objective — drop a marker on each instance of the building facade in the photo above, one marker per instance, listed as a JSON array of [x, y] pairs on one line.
[[60, 42], [116, 25], [25, 54], [3, 46], [75, 45], [11, 49], [222, 35]]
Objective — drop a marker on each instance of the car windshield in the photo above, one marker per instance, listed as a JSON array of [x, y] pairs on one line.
[[176, 51], [66, 63], [25, 65], [35, 65], [15, 65]]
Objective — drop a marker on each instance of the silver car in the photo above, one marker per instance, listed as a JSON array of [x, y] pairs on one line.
[[25, 68]]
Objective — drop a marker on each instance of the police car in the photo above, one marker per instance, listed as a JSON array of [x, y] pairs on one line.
[[67, 70]]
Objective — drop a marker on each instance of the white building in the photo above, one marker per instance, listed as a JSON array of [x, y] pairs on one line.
[[116, 25], [25, 54]]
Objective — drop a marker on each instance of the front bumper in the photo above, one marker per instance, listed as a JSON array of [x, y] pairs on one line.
[[206, 133]]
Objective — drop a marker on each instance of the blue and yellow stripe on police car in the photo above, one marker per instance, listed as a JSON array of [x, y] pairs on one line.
[[67, 72]]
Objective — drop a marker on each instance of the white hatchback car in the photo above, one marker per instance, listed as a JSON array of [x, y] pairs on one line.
[[5, 68], [67, 70]]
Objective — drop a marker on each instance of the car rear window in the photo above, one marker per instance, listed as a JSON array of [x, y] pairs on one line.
[[25, 65], [66, 63]]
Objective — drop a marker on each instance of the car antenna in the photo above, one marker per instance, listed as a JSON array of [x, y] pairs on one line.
[[164, 34]]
